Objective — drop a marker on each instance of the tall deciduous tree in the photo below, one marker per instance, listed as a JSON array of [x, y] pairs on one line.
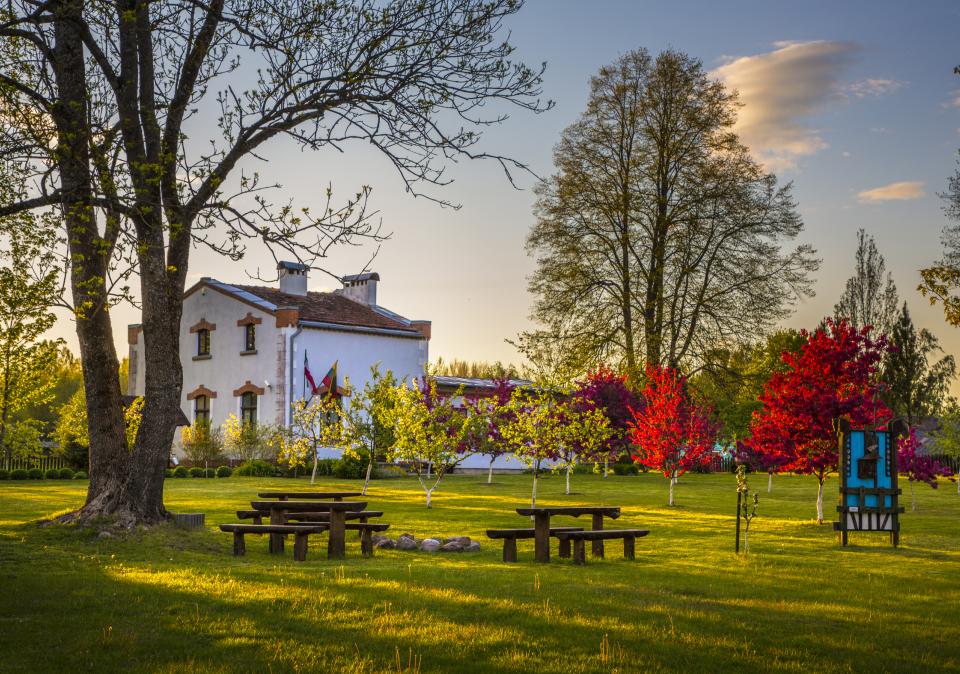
[[98, 98], [916, 383], [671, 433], [832, 377], [659, 236], [870, 296], [28, 286]]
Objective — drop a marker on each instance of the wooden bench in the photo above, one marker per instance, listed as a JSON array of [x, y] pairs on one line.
[[510, 537], [255, 515], [579, 538], [366, 534], [301, 533], [363, 516]]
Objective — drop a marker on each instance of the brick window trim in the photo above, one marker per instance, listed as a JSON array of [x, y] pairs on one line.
[[201, 391], [203, 325], [249, 319], [248, 388]]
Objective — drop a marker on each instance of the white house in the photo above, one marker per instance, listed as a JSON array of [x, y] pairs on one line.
[[244, 348]]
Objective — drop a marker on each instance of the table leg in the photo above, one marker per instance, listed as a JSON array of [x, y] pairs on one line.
[[564, 548], [509, 549], [366, 543], [300, 547], [541, 537], [579, 552], [336, 541], [239, 547], [628, 547], [597, 545], [276, 540]]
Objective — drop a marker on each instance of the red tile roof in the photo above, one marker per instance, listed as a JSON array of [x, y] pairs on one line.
[[328, 308]]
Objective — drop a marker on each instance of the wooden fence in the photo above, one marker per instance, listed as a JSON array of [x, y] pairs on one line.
[[44, 463]]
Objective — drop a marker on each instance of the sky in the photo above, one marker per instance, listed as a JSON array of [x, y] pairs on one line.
[[855, 103]]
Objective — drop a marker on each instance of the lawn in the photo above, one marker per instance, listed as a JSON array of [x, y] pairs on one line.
[[169, 600]]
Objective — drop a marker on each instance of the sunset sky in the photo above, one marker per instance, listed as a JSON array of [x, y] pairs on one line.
[[854, 102]]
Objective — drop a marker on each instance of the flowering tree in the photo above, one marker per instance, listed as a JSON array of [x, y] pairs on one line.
[[246, 441], [316, 424], [671, 432], [495, 410], [831, 377], [542, 429], [918, 466], [607, 391], [365, 429], [430, 433], [201, 442]]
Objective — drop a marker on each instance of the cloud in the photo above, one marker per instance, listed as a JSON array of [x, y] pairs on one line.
[[954, 101], [901, 191], [871, 88], [780, 90]]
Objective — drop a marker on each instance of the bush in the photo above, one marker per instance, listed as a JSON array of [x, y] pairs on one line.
[[209, 472], [588, 468], [35, 474], [197, 472], [76, 455], [224, 471], [4, 474], [66, 473], [324, 466], [350, 468], [80, 475], [52, 474], [256, 468], [626, 469], [19, 474], [181, 471], [168, 473]]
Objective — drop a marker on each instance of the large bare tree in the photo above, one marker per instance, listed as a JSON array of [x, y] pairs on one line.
[[659, 238], [97, 101]]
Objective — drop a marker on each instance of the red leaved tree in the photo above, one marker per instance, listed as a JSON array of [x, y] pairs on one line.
[[606, 390], [918, 466], [831, 377], [671, 433]]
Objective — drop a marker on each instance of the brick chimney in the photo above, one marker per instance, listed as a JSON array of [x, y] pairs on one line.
[[293, 278], [361, 288]]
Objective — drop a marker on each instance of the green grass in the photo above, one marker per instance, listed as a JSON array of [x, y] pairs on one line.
[[177, 601]]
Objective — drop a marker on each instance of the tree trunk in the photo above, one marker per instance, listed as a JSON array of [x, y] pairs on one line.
[[673, 481], [533, 501], [606, 468], [490, 472], [366, 480], [913, 498], [430, 496], [569, 469], [316, 464], [746, 538], [769, 481], [820, 502]]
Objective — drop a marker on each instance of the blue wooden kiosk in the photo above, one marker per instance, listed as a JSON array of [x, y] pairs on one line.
[[869, 495]]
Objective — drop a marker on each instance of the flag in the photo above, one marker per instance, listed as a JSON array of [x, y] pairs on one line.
[[307, 375], [329, 382]]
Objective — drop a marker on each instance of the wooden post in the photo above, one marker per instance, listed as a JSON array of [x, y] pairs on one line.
[[276, 540], [336, 543], [579, 552], [541, 538], [239, 547], [628, 547], [564, 548], [300, 546], [509, 549], [597, 526], [739, 500], [366, 542]]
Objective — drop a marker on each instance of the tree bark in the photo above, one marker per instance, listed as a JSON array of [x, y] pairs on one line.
[[769, 481], [366, 480], [533, 500], [569, 469], [316, 464], [820, 502], [673, 481], [490, 472]]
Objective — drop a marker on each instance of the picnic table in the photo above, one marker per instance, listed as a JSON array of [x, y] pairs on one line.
[[336, 543], [541, 524], [301, 495]]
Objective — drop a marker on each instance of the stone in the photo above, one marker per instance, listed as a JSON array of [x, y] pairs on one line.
[[452, 546], [375, 538], [104, 534], [406, 543], [429, 545], [473, 547], [385, 544]]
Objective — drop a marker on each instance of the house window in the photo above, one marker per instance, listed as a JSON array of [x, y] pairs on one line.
[[248, 408], [201, 410], [203, 342], [250, 337]]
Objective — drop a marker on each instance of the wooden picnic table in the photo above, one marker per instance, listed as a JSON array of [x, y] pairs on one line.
[[336, 543], [541, 524], [298, 495]]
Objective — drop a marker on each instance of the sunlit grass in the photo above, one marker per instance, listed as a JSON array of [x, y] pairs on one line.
[[171, 600]]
